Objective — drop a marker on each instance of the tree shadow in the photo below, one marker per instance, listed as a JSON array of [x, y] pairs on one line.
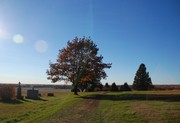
[[119, 97]]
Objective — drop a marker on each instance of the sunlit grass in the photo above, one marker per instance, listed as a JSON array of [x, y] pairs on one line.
[[113, 110], [33, 110], [97, 107]]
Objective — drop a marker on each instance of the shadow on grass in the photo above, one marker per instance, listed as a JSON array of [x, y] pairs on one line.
[[38, 99], [43, 99], [161, 97], [15, 101], [20, 101]]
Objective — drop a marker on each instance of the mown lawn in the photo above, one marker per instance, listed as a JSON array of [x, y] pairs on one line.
[[34, 111], [98, 107], [125, 108]]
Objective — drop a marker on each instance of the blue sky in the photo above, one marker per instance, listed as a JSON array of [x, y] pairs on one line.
[[127, 32]]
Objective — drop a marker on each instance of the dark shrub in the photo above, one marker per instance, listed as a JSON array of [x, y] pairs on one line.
[[97, 89], [100, 86], [50, 94], [106, 87], [125, 87], [7, 92], [114, 87]]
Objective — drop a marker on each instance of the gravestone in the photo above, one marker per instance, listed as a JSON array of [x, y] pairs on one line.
[[33, 94], [19, 92]]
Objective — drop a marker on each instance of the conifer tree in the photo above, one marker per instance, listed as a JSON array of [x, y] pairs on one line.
[[125, 87], [106, 87], [142, 81], [114, 87]]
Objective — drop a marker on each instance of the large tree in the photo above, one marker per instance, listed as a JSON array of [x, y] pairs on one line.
[[78, 63], [142, 81]]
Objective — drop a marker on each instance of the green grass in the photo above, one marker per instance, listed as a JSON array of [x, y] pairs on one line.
[[98, 107], [138, 107], [31, 111], [125, 111]]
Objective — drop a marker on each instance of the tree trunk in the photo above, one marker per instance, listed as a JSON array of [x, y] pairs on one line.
[[75, 89], [75, 92]]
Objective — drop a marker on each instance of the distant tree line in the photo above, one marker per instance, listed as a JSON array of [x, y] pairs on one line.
[[142, 82], [106, 87]]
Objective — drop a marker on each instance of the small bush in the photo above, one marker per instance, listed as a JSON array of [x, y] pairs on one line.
[[7, 92], [97, 89], [125, 87], [50, 94], [106, 87], [114, 87], [100, 86]]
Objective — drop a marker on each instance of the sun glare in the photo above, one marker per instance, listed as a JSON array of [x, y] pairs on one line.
[[4, 34], [18, 38], [41, 46]]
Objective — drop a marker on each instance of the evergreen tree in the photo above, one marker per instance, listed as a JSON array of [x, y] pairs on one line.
[[106, 87], [125, 87], [114, 87], [142, 81]]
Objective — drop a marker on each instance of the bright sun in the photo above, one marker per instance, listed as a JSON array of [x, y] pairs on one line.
[[4, 34]]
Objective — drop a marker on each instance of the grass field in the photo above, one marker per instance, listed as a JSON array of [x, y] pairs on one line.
[[97, 107]]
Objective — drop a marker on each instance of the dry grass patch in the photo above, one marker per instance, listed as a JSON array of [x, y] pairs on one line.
[[79, 112], [146, 111]]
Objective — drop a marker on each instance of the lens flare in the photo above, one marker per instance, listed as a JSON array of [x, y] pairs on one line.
[[18, 38], [41, 46]]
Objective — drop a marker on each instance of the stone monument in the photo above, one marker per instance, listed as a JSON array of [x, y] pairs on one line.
[[19, 92], [33, 94]]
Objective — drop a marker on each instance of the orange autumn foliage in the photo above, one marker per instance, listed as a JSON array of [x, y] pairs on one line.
[[78, 62]]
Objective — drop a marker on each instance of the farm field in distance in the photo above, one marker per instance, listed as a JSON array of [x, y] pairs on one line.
[[95, 107]]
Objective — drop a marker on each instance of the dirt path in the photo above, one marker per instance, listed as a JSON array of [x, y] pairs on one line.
[[77, 113]]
